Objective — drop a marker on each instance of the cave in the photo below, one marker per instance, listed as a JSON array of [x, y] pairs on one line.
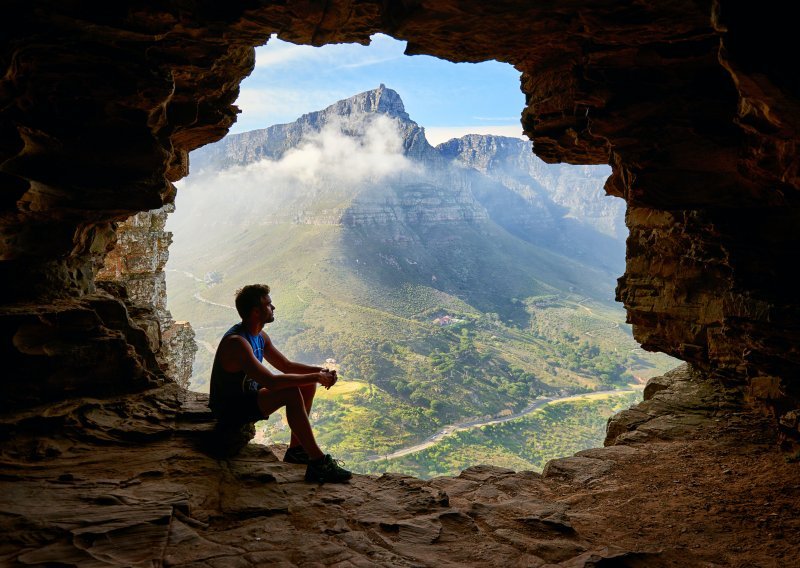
[[103, 457]]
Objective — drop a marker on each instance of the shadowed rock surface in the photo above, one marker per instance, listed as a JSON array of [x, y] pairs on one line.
[[693, 481]]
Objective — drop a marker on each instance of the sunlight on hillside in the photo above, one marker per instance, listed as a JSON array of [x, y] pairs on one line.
[[461, 286]]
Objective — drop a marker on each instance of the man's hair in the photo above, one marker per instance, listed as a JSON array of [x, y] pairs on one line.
[[249, 297]]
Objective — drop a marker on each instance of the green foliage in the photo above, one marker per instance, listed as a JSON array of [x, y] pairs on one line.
[[557, 430], [505, 341]]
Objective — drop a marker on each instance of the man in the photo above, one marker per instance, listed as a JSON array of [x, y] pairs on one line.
[[244, 390]]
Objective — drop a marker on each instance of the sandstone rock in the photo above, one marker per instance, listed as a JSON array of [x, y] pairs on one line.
[[576, 469], [791, 420], [683, 403], [134, 271], [706, 166], [615, 556], [146, 495]]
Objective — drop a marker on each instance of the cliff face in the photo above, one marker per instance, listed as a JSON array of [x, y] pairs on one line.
[[690, 478], [392, 177], [137, 264], [351, 114]]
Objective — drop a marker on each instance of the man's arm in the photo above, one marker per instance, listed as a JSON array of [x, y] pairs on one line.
[[282, 363], [236, 355]]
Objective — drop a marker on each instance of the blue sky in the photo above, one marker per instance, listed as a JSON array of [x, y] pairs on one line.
[[448, 99]]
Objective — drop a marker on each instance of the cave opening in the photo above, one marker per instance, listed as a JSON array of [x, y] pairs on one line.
[[383, 238], [689, 103]]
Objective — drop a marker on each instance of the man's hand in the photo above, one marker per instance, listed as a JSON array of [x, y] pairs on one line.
[[335, 376], [327, 378]]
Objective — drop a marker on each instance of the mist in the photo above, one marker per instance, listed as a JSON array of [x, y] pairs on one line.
[[324, 171]]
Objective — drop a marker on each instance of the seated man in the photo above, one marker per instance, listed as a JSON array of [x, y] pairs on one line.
[[244, 390]]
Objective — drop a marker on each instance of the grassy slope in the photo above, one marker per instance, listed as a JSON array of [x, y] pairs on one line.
[[556, 430], [368, 303]]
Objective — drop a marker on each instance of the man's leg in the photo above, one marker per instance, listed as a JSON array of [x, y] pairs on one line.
[[296, 415], [308, 393]]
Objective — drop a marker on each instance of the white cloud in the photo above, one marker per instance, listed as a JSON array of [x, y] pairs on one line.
[[278, 53], [438, 134], [332, 155], [328, 165], [368, 62]]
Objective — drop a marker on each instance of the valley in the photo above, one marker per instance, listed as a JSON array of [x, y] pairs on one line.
[[446, 284]]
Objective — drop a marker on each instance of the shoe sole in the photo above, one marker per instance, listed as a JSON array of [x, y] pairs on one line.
[[318, 480]]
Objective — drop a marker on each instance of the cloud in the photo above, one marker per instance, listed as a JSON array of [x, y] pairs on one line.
[[329, 166], [368, 62], [374, 153], [278, 53]]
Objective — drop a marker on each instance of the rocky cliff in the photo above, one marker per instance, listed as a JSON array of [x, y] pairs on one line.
[[136, 263], [351, 115], [691, 478], [410, 183]]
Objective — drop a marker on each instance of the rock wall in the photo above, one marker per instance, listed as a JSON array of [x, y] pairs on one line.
[[137, 264], [687, 101]]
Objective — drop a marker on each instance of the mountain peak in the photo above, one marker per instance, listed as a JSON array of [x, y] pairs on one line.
[[382, 100]]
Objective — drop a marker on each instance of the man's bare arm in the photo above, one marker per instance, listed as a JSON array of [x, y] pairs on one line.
[[237, 355], [283, 364]]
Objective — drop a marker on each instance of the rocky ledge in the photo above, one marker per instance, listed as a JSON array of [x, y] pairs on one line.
[[694, 479]]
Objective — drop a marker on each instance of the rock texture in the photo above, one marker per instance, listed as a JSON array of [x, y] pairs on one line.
[[694, 480], [137, 264]]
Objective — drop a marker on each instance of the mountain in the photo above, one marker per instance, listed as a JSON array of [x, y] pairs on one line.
[[273, 142], [453, 281], [473, 178]]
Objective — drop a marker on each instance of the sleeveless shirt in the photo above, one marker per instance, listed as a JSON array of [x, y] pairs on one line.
[[227, 389]]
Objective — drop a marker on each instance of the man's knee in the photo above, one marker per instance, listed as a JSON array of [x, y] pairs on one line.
[[294, 394], [271, 400]]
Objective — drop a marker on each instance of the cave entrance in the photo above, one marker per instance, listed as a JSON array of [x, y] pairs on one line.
[[413, 240]]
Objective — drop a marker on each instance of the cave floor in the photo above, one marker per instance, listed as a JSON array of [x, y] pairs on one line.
[[691, 482]]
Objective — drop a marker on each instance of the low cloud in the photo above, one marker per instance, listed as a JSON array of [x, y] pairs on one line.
[[375, 151], [330, 165]]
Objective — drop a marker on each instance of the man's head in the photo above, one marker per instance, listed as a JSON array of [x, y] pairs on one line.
[[253, 296]]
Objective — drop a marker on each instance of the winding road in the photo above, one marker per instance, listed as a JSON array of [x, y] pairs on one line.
[[461, 426]]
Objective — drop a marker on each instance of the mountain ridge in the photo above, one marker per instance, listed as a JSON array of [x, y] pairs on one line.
[[532, 200]]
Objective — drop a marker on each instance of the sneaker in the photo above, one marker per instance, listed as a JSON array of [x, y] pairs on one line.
[[327, 470], [296, 455]]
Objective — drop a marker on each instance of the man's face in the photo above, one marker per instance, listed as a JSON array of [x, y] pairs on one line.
[[266, 310]]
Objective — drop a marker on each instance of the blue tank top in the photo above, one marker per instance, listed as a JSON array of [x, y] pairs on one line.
[[228, 388]]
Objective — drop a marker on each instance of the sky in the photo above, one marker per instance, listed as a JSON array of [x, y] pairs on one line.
[[447, 99]]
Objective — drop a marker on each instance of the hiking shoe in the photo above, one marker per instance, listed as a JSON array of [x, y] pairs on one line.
[[296, 455], [327, 470]]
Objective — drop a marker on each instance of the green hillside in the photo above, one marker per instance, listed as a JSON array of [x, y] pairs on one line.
[[446, 284], [512, 333]]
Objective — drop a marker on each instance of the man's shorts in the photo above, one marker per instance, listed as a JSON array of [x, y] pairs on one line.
[[240, 410]]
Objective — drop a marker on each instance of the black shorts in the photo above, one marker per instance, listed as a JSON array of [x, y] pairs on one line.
[[240, 410]]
